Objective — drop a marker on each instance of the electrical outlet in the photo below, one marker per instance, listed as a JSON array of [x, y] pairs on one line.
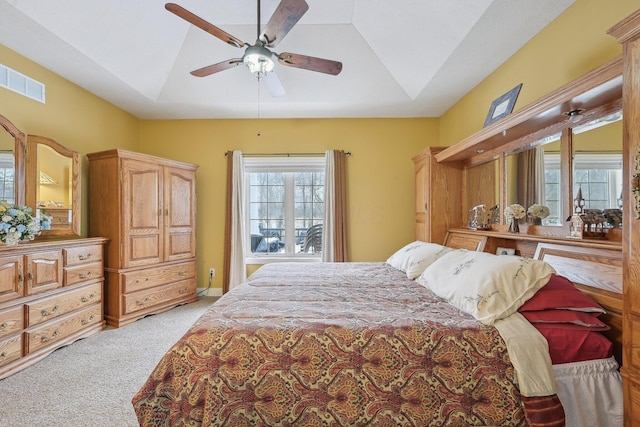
[[212, 273]]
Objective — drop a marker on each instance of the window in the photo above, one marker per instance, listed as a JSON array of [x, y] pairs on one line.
[[7, 177], [285, 198]]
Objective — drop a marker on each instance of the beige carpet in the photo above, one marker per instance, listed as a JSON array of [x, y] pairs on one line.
[[90, 383]]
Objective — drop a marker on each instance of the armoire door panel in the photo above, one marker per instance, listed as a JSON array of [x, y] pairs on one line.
[[142, 211], [180, 245], [144, 200], [144, 249], [179, 200]]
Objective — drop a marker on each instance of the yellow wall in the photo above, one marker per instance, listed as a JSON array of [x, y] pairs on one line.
[[72, 116], [573, 44], [379, 172]]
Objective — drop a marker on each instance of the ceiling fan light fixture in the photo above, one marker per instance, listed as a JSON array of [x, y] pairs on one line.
[[258, 60]]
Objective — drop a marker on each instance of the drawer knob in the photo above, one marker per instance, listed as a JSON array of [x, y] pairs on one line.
[[143, 302], [89, 320], [3, 355], [85, 276], [49, 313], [47, 339], [85, 257], [89, 298], [4, 326]]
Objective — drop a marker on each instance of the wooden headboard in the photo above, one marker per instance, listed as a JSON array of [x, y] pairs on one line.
[[596, 272], [595, 268]]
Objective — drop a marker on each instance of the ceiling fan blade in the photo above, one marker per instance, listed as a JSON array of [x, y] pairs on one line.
[[310, 63], [282, 21], [206, 26], [274, 84], [216, 68]]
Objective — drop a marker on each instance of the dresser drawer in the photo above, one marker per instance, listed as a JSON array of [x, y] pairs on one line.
[[82, 273], [155, 276], [82, 255], [11, 321], [10, 349], [151, 297], [56, 330], [50, 308]]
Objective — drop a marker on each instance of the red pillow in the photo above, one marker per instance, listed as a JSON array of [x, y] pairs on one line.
[[571, 317], [567, 346], [559, 292]]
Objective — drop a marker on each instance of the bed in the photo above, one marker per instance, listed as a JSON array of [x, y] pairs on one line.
[[344, 344]]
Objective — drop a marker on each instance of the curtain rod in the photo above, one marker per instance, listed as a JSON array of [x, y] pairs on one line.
[[347, 153]]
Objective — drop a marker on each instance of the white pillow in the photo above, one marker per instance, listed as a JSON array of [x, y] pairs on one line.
[[487, 286], [415, 257]]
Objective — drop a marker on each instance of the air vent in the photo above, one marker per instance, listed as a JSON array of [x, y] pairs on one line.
[[19, 83]]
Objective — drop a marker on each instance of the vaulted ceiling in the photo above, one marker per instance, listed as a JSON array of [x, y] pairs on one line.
[[402, 58]]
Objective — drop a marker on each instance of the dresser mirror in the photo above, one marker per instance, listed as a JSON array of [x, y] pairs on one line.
[[12, 151], [53, 185]]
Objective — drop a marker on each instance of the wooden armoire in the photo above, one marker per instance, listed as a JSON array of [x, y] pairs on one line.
[[438, 203], [146, 206]]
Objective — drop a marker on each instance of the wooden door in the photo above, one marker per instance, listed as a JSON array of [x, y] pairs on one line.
[[180, 213], [142, 213]]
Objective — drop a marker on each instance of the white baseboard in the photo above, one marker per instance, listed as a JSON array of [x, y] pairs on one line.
[[210, 292]]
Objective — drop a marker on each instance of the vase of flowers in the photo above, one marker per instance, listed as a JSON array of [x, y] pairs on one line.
[[537, 212], [513, 213], [17, 224]]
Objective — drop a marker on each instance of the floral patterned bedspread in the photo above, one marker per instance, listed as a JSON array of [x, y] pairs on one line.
[[337, 344]]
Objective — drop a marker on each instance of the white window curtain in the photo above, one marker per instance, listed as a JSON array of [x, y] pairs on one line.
[[237, 269]]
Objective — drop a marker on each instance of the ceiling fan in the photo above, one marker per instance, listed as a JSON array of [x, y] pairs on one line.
[[257, 57]]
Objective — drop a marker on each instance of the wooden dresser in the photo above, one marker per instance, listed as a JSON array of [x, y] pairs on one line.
[[146, 206], [50, 296]]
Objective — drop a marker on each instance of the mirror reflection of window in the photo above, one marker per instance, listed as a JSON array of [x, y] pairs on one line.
[[597, 162], [533, 177], [7, 176]]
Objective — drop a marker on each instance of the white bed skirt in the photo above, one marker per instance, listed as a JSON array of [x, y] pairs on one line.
[[590, 392]]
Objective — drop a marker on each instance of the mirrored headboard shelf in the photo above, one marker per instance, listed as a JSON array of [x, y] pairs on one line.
[[506, 149], [595, 93]]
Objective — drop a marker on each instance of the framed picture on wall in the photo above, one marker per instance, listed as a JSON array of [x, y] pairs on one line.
[[502, 106]]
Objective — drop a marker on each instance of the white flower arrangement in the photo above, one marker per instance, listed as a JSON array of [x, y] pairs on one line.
[[16, 223], [538, 211], [514, 211]]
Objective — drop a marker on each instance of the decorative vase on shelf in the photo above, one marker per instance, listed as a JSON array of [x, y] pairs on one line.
[[536, 220], [513, 226]]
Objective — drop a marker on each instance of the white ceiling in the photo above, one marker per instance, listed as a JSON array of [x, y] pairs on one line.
[[402, 58]]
